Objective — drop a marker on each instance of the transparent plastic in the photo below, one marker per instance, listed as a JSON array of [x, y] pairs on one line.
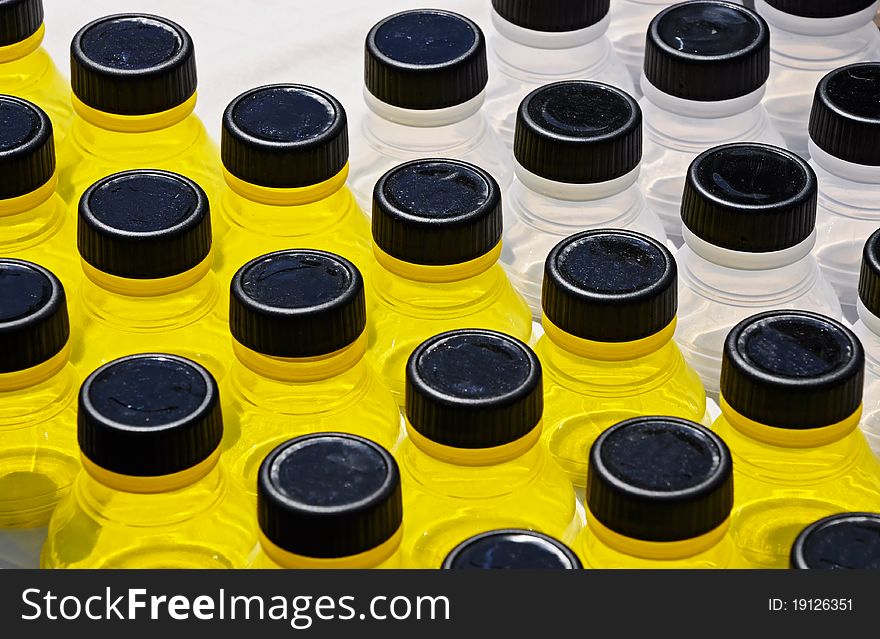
[[389, 136], [445, 503], [847, 214], [106, 325], [780, 490], [259, 560], [261, 413], [402, 313], [676, 131], [207, 524], [719, 288], [583, 397], [867, 329], [521, 60], [802, 52], [39, 460], [538, 214]]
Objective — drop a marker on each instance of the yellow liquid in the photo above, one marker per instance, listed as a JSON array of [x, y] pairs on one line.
[[45, 235], [778, 491], [208, 524], [35, 78], [106, 325], [402, 313], [334, 223], [444, 503], [260, 413], [259, 560], [584, 397]]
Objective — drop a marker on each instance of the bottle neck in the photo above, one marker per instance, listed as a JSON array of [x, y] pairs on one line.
[[156, 484], [815, 26], [134, 123], [574, 192], [29, 201], [475, 456], [608, 351], [700, 109], [148, 287], [549, 39], [741, 260], [29, 377], [302, 369], [459, 115], [371, 558], [437, 274], [287, 197], [861, 173], [18, 50]]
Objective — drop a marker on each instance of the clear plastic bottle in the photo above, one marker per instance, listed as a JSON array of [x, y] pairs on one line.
[[511, 549], [629, 20], [134, 90], [845, 152], [849, 541], [610, 299], [577, 152], [425, 75], [34, 222], [38, 453], [867, 329], [536, 42], [749, 212], [153, 492], [144, 237], [472, 460], [285, 160], [436, 241], [659, 495], [791, 394], [706, 64], [299, 326], [807, 40], [26, 70], [329, 500]]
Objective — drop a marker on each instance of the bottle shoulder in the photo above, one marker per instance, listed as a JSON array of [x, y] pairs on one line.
[[51, 403], [594, 553]]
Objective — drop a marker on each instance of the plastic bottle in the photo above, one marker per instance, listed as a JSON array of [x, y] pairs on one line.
[[134, 90], [629, 20], [26, 70], [38, 456], [706, 64], [144, 237], [512, 549], [536, 42], [436, 241], [34, 223], [298, 324], [425, 75], [610, 299], [845, 152], [285, 160], [577, 152], [748, 212], [329, 500], [791, 393], [152, 493], [659, 494], [807, 40], [849, 541], [867, 329], [472, 460]]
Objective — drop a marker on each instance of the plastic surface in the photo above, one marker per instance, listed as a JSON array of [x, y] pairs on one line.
[[870, 340]]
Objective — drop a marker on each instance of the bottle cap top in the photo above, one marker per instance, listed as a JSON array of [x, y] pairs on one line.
[[820, 8], [19, 19], [329, 495], [578, 132], [144, 224], [27, 147], [425, 59], [552, 15], [707, 51], [34, 325], [511, 549], [845, 541], [297, 303], [660, 479], [284, 136]]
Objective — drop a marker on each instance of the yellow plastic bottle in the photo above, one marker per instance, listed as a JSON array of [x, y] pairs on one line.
[[298, 322], [38, 456], [144, 237], [26, 70], [152, 493], [511, 549], [34, 223], [609, 303], [472, 460], [134, 90], [659, 494], [329, 500], [285, 161], [436, 241], [848, 541], [791, 400]]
